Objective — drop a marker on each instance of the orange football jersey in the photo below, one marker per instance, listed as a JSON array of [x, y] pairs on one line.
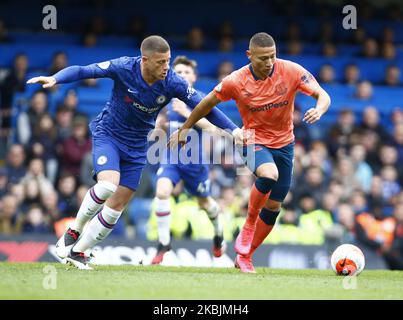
[[266, 106]]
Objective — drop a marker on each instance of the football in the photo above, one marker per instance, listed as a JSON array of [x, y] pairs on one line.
[[347, 260]]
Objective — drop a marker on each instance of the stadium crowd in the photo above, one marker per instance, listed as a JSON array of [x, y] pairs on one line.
[[348, 176]]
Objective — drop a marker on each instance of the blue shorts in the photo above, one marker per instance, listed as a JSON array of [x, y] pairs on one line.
[[109, 154], [195, 177], [255, 155]]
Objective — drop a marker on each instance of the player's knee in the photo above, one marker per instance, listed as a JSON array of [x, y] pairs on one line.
[[163, 193], [272, 206], [269, 173], [105, 189]]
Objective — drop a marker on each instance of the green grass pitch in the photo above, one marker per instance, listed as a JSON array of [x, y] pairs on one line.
[[25, 281]]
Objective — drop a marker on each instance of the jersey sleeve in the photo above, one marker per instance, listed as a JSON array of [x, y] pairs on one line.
[[186, 93], [191, 97], [106, 69], [306, 82], [226, 89]]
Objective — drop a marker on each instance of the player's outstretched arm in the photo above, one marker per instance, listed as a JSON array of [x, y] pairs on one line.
[[205, 109], [74, 73], [322, 105]]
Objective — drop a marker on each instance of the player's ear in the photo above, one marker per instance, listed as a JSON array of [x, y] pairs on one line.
[[248, 54]]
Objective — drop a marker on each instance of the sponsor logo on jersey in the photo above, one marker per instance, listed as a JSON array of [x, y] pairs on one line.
[[161, 99], [268, 106]]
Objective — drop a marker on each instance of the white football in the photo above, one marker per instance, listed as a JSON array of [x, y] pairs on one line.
[[347, 260]]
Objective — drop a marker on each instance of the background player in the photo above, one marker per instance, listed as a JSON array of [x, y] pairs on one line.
[[264, 92], [143, 85], [195, 175]]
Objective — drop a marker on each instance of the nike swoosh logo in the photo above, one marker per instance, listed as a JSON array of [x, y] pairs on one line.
[[131, 91]]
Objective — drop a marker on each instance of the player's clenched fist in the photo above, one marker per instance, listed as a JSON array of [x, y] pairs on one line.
[[47, 82], [312, 115]]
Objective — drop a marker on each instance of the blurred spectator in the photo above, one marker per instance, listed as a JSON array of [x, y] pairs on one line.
[[388, 157], [12, 83], [3, 182], [15, 167], [4, 37], [398, 140], [98, 25], [358, 36], [370, 48], [224, 69], [137, 27], [397, 116], [375, 195], [364, 90], [387, 35], [346, 219], [301, 130], [86, 171], [74, 149], [293, 32], [50, 204], [71, 101], [42, 145], [32, 191], [294, 47], [59, 62], [371, 121], [36, 172], [226, 29], [27, 120], [362, 171], [344, 172], [351, 74], [388, 51], [195, 39], [66, 187], [358, 201], [326, 32], [226, 44], [329, 50], [374, 230], [340, 132], [326, 74], [393, 253], [313, 181], [35, 221], [371, 141], [392, 76], [90, 40], [390, 184], [64, 123], [10, 218]]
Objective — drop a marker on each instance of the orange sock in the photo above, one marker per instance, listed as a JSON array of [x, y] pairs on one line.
[[257, 200], [261, 232]]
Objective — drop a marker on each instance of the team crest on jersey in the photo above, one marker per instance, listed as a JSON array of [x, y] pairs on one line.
[[281, 89], [161, 99], [102, 160]]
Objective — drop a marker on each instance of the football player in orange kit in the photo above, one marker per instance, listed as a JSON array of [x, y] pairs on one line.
[[264, 92]]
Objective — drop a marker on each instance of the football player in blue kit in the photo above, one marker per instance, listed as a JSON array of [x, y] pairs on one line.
[[195, 175], [143, 85]]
